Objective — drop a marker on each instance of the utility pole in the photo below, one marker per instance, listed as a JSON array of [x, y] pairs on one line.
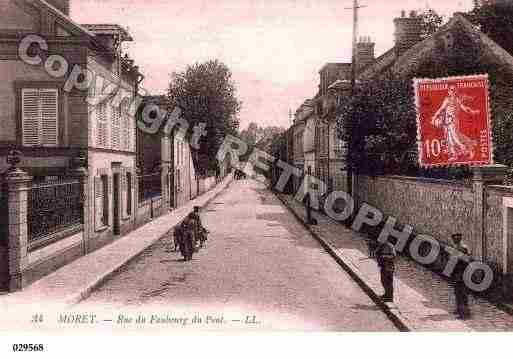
[[354, 67]]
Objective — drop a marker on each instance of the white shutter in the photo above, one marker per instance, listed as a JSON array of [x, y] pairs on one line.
[[115, 134], [31, 117], [49, 117], [101, 125]]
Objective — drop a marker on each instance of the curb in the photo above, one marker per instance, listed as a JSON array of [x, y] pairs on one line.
[[85, 292], [391, 311]]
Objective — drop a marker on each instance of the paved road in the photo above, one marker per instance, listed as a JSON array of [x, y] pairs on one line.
[[260, 270]]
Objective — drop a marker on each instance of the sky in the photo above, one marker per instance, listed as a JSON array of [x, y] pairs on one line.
[[274, 48]]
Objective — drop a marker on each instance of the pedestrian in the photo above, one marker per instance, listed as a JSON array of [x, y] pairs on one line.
[[187, 239], [460, 291], [385, 256]]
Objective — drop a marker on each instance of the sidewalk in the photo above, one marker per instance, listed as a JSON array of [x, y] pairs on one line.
[[424, 301], [75, 281]]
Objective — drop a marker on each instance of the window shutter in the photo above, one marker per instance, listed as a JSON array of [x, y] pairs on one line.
[[49, 117], [122, 177], [126, 132], [31, 117], [115, 135], [102, 125], [98, 203]]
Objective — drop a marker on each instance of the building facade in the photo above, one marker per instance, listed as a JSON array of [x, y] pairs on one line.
[[66, 95]]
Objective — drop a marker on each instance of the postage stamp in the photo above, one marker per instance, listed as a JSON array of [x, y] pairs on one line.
[[453, 121]]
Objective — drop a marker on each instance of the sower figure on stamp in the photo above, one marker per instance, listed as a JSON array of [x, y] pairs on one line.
[[385, 256], [447, 118], [460, 291]]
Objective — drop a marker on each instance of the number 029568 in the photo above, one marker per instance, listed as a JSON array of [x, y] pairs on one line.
[[28, 347]]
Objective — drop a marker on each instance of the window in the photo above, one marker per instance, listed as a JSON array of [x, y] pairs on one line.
[[102, 126], [40, 113], [105, 202], [127, 122], [101, 202], [129, 194], [116, 128]]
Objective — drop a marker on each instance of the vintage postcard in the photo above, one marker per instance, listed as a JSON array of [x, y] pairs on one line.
[[170, 168]]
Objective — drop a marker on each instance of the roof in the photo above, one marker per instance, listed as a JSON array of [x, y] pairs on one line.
[[381, 64], [340, 84], [62, 16], [336, 65], [414, 56], [109, 29], [89, 30]]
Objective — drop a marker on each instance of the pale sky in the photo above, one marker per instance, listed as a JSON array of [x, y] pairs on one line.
[[274, 48]]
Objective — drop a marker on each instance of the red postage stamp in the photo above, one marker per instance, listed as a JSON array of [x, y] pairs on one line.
[[453, 121]]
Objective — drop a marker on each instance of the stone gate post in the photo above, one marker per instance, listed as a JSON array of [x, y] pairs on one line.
[[482, 176], [18, 186]]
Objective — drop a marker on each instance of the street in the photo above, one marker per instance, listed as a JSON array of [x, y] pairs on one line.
[[260, 270]]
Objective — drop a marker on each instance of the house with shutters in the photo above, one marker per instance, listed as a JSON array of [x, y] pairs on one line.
[[67, 94], [167, 169]]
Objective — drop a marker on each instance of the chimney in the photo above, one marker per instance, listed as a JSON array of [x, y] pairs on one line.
[[62, 5], [365, 51], [407, 31]]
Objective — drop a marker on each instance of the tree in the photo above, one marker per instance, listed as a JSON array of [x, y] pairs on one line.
[[261, 137], [495, 19], [206, 93], [379, 125], [431, 22]]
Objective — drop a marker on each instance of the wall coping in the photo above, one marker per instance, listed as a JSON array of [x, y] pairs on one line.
[[500, 188], [422, 180]]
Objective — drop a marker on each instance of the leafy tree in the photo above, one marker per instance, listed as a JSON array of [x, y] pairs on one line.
[[206, 92], [431, 22], [379, 125], [261, 137], [495, 18]]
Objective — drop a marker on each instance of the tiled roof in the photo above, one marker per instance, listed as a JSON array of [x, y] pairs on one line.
[[108, 29]]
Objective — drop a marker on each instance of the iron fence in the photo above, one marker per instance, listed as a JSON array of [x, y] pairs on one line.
[[150, 185], [54, 206]]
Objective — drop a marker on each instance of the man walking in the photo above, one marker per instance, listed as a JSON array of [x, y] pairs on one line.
[[385, 256], [460, 292]]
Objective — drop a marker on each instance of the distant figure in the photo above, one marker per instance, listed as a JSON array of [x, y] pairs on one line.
[[460, 292], [385, 256], [188, 241], [183, 239]]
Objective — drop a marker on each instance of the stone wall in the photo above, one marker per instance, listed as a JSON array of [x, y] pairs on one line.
[[434, 207], [439, 208]]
